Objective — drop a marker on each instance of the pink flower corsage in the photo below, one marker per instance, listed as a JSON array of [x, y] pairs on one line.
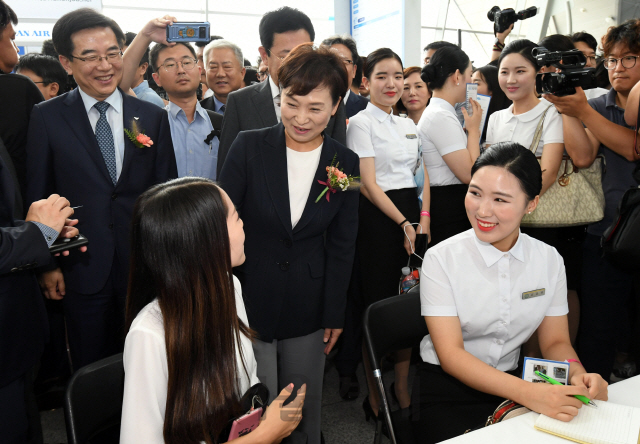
[[336, 180]]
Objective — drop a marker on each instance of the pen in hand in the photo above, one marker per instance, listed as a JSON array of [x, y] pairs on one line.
[[550, 380]]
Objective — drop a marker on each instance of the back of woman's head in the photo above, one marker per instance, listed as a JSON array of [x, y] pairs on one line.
[[307, 68], [522, 47], [445, 62], [517, 160], [376, 57], [181, 255], [499, 99]]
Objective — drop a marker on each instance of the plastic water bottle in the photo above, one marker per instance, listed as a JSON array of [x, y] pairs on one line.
[[410, 279]]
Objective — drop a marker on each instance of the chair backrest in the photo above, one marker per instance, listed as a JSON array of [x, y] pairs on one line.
[[393, 324], [93, 402]]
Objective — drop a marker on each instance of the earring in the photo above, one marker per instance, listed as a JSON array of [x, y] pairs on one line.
[[458, 84], [529, 212]]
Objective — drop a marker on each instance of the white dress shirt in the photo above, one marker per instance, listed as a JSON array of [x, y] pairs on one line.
[[114, 117], [489, 291], [275, 94], [441, 134], [346, 97], [391, 140], [504, 126], [301, 171], [146, 373]]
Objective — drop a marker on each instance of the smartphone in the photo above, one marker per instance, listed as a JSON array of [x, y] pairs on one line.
[[188, 32], [472, 93], [245, 424], [63, 244]]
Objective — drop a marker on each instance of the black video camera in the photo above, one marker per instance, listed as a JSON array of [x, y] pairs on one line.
[[573, 72], [502, 19]]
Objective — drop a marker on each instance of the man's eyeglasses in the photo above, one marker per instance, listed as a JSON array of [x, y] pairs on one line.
[[277, 57], [627, 62], [94, 60], [263, 74], [171, 66]]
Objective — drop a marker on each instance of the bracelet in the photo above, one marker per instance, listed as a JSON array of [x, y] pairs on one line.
[[425, 213], [498, 48], [573, 360], [402, 223]]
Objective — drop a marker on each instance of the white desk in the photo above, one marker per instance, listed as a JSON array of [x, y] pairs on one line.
[[520, 430]]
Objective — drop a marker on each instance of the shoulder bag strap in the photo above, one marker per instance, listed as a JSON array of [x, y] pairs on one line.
[[538, 134]]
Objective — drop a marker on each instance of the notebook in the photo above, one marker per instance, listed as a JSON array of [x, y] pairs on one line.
[[608, 424]]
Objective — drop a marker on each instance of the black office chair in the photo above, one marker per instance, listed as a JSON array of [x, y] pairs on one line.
[[390, 325], [93, 402]]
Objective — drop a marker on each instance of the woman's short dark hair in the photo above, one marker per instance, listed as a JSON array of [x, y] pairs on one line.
[[47, 67], [585, 38], [522, 47], [181, 256], [281, 20], [557, 42], [307, 68], [499, 99], [445, 62], [517, 160], [627, 33], [78, 20], [376, 57]]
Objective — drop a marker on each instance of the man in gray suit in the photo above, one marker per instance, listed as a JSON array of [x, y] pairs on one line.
[[258, 106]]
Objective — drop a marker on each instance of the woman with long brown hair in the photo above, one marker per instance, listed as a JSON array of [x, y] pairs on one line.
[[188, 357]]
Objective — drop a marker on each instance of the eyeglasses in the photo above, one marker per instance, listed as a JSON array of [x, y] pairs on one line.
[[94, 60], [263, 74], [590, 59], [187, 63], [277, 57], [626, 61]]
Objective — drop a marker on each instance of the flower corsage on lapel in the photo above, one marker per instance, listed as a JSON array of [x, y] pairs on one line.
[[139, 138], [336, 180]]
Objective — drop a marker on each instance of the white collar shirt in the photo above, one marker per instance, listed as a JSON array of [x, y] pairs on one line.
[[441, 134], [499, 297], [114, 117], [393, 143], [504, 126], [346, 97], [275, 94]]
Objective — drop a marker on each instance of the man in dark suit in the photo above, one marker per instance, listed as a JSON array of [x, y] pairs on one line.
[[223, 61], [258, 106], [346, 48], [78, 147], [23, 321]]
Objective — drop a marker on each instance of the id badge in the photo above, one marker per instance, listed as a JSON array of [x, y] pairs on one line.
[[556, 369]]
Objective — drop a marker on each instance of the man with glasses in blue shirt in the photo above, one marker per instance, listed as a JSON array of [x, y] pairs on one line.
[[175, 68]]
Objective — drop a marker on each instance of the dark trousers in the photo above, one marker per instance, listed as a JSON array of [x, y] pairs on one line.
[[443, 407], [14, 426], [350, 341], [448, 214], [603, 305], [95, 322]]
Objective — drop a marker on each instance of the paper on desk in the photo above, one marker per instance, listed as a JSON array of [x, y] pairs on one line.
[[608, 424]]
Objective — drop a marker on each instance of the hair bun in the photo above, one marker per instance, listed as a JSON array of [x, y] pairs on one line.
[[428, 73]]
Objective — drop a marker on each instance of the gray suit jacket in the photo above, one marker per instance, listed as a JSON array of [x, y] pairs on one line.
[[251, 108]]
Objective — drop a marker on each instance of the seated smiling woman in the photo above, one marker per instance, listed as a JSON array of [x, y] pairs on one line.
[[471, 297]]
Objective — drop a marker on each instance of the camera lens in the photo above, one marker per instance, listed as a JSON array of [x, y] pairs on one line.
[[492, 12]]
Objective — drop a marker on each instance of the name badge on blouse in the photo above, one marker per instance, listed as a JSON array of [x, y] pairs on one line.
[[533, 294], [411, 136]]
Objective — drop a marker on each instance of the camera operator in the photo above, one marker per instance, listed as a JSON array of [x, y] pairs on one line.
[[499, 43], [588, 45], [605, 289]]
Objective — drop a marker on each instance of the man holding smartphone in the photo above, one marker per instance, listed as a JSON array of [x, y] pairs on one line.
[[193, 128]]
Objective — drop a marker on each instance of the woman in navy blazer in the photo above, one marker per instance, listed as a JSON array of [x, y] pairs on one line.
[[299, 251]]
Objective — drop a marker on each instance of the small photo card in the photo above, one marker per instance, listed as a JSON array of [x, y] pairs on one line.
[[556, 369]]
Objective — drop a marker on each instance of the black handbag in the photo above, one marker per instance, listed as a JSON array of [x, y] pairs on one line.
[[621, 241]]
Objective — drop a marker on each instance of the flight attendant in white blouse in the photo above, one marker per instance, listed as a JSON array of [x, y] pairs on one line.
[[471, 294], [187, 357], [518, 123], [389, 150], [447, 151]]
